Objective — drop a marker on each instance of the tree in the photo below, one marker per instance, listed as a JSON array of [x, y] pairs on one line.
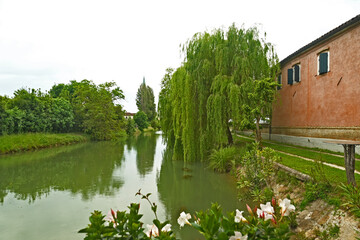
[[130, 127], [141, 120], [258, 98], [198, 101], [96, 110], [145, 101]]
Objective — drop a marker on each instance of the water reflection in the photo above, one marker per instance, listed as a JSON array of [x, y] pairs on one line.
[[73, 168], [145, 147], [70, 182], [191, 188]]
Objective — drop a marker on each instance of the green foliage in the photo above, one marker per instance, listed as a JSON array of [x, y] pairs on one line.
[[155, 124], [330, 232], [314, 191], [198, 100], [141, 120], [130, 127], [352, 198], [145, 101], [212, 224], [95, 107], [78, 106], [257, 168], [33, 111], [223, 160], [126, 225], [318, 188]]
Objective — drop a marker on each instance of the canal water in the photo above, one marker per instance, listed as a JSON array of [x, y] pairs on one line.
[[49, 194]]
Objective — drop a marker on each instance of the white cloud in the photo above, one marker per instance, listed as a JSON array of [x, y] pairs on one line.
[[45, 42]]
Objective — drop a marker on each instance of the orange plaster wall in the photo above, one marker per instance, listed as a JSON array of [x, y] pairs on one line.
[[323, 100]]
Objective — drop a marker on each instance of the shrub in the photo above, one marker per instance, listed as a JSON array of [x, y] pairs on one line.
[[130, 127], [223, 160], [269, 221], [141, 120], [257, 168], [352, 198]]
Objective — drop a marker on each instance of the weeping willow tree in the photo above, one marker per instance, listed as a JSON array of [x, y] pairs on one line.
[[220, 83]]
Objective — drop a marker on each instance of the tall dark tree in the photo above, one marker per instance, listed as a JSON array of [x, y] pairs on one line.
[[145, 101]]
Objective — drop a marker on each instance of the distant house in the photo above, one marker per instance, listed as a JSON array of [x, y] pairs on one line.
[[320, 92], [129, 115]]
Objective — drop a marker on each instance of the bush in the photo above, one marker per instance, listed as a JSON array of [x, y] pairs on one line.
[[352, 198], [130, 127], [257, 168], [141, 120], [270, 221], [223, 160]]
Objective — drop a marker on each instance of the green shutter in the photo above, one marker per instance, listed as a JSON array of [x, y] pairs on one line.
[[290, 76], [279, 82], [323, 62], [297, 72]]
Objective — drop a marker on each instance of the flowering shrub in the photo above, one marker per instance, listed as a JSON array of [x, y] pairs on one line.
[[270, 221]]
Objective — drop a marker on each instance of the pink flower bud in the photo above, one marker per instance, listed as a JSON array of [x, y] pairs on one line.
[[273, 201], [249, 210], [273, 220]]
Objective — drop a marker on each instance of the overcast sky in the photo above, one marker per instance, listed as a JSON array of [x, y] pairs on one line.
[[43, 42]]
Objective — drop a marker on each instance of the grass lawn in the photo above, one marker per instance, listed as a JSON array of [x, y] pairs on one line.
[[30, 141], [306, 152], [333, 175]]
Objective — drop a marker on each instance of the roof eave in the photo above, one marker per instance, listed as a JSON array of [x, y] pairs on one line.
[[333, 33]]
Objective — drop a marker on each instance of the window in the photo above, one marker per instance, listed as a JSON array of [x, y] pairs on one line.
[[290, 76], [323, 62], [279, 81], [297, 74]]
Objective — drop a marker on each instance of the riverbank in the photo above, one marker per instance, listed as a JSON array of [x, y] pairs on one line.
[[323, 206], [31, 141]]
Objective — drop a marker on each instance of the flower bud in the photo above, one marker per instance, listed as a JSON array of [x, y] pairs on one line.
[[249, 210], [273, 201]]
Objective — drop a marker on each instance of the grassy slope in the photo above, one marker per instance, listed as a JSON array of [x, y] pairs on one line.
[[334, 175], [306, 152], [30, 141]]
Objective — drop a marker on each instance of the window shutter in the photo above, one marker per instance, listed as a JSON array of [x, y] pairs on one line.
[[297, 73], [279, 82], [290, 76], [323, 62]]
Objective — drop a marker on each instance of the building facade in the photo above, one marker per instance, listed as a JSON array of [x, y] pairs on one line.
[[320, 92]]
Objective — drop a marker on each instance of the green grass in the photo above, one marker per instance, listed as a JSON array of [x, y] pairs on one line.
[[245, 138], [333, 175], [31, 141], [306, 152]]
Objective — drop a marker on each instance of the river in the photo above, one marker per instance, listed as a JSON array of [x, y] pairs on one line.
[[49, 194]]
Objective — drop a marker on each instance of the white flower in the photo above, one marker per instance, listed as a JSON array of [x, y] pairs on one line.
[[238, 236], [110, 217], [152, 230], [239, 217], [166, 228], [286, 207], [184, 219], [266, 211]]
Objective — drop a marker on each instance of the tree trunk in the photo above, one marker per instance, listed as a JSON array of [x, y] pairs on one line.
[[258, 133], [229, 135], [349, 157]]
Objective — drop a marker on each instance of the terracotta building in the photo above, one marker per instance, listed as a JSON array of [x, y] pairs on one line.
[[320, 92]]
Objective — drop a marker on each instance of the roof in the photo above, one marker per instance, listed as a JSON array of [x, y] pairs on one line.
[[336, 31]]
